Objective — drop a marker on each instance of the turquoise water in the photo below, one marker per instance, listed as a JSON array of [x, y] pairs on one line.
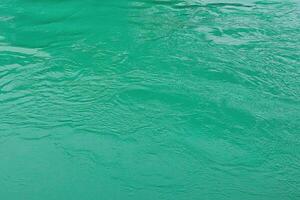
[[149, 99]]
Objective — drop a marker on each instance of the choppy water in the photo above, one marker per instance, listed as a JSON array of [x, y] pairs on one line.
[[149, 99]]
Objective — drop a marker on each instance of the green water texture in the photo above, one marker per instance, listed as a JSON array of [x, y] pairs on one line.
[[149, 100]]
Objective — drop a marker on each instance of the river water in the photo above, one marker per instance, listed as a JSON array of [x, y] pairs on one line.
[[149, 99]]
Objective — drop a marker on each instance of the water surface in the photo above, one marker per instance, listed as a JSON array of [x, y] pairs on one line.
[[149, 99]]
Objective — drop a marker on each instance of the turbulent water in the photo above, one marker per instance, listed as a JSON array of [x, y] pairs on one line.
[[149, 99]]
